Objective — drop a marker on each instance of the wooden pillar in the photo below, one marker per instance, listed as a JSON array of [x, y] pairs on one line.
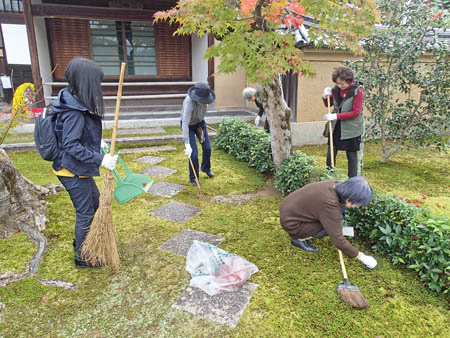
[[211, 64], [28, 18]]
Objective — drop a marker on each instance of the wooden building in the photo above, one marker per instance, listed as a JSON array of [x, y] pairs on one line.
[[159, 64]]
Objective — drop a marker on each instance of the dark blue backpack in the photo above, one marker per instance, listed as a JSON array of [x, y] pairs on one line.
[[45, 135]]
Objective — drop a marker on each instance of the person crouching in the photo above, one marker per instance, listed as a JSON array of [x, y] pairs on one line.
[[316, 209]]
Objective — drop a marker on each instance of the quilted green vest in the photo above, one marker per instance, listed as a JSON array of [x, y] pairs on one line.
[[349, 128]]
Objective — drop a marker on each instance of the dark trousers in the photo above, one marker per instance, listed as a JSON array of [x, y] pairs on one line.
[[298, 230], [206, 150], [352, 161], [85, 198]]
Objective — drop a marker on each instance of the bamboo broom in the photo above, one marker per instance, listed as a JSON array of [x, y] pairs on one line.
[[348, 292], [100, 245]]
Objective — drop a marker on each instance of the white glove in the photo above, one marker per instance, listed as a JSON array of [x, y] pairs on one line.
[[109, 162], [368, 261], [330, 117], [104, 145], [258, 118], [326, 92], [188, 150]]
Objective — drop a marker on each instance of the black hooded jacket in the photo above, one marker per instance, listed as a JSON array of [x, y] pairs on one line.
[[79, 136]]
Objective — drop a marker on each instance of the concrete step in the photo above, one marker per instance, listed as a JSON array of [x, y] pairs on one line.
[[125, 109], [21, 147], [174, 115], [155, 119]]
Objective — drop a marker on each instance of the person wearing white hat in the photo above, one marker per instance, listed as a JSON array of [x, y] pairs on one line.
[[194, 126]]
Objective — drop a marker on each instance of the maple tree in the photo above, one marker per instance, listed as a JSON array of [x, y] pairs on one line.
[[254, 35]]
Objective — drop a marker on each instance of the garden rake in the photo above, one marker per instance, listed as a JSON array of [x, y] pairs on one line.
[[348, 292]]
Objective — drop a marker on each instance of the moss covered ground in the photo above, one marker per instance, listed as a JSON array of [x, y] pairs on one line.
[[296, 296]]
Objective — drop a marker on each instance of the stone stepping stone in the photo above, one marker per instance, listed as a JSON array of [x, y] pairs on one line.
[[165, 189], [158, 171], [146, 149], [180, 243], [225, 308], [150, 159], [233, 199], [156, 130], [176, 212]]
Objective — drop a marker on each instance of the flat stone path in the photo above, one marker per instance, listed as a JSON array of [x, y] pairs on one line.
[[180, 243], [146, 149], [156, 130], [158, 171], [150, 159], [225, 308], [165, 189], [176, 212]]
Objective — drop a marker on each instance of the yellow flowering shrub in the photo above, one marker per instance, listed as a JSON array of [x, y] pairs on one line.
[[19, 96]]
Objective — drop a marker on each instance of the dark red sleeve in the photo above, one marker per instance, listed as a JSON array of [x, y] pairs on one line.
[[325, 101], [356, 109]]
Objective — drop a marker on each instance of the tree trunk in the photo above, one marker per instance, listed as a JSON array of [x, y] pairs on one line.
[[278, 115], [22, 209]]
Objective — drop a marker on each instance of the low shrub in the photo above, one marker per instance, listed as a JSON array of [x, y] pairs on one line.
[[246, 142], [298, 170], [408, 235]]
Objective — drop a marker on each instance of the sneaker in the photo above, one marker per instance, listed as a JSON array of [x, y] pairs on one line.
[[209, 173], [305, 245], [82, 264], [193, 183]]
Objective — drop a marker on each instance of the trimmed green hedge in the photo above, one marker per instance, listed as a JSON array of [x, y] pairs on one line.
[[408, 235], [298, 170], [247, 143]]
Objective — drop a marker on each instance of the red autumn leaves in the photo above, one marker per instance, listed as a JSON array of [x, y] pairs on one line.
[[419, 202], [289, 13]]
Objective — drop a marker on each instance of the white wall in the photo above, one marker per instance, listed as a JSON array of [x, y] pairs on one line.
[[43, 54], [16, 44], [199, 64]]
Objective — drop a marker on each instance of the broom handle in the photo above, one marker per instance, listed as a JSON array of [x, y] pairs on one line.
[[330, 128], [116, 115], [341, 259], [195, 175]]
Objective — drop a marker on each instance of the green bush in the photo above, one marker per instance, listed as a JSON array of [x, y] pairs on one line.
[[298, 170], [408, 235], [246, 142]]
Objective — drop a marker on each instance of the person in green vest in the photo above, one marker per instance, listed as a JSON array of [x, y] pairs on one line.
[[347, 99]]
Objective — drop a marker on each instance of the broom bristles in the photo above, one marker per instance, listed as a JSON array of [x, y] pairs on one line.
[[351, 295], [100, 244]]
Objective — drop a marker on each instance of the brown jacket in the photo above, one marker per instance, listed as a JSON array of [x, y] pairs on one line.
[[313, 208]]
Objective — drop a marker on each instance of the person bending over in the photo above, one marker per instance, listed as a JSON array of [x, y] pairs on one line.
[[316, 209], [194, 126], [249, 94]]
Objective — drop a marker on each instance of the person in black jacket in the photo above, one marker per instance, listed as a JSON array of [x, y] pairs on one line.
[[79, 109], [249, 94]]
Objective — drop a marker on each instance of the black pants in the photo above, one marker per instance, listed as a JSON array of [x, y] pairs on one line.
[[352, 161]]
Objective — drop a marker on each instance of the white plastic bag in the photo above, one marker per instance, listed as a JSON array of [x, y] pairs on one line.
[[216, 271]]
